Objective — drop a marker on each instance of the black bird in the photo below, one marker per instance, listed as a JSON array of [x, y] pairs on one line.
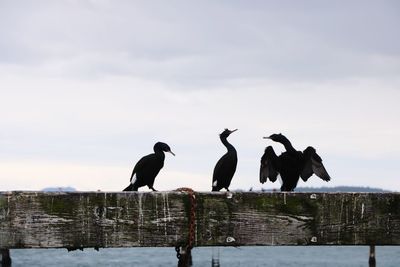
[[147, 168], [291, 164], [226, 166]]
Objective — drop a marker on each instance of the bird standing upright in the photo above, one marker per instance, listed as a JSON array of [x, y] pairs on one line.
[[147, 168], [291, 165], [226, 165]]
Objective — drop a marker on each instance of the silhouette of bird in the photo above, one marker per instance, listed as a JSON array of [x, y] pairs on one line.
[[226, 165], [147, 168], [291, 165]]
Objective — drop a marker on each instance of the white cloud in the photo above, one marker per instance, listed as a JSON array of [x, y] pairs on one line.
[[114, 121]]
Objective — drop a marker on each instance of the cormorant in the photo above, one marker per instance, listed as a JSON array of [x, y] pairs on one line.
[[226, 165], [291, 164], [147, 168]]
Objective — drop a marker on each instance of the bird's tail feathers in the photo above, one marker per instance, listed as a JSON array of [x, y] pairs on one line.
[[130, 187], [263, 179]]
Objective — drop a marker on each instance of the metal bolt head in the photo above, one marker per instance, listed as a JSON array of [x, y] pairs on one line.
[[230, 239]]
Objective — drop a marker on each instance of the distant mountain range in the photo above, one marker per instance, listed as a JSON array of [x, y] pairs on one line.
[[337, 189], [59, 189]]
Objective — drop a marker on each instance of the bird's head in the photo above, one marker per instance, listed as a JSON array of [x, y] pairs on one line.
[[160, 146], [277, 138], [309, 151], [226, 133]]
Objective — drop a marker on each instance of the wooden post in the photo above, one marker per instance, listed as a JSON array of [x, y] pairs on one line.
[[185, 259], [5, 258], [372, 260], [215, 258]]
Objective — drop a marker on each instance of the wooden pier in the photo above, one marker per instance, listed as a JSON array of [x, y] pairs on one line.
[[78, 220]]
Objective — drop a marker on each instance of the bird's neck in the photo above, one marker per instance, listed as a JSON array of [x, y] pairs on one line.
[[288, 146], [159, 153], [227, 144]]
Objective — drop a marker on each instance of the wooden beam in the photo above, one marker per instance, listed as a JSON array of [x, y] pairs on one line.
[[132, 219]]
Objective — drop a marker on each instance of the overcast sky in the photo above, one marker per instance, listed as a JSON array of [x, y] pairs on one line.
[[88, 86]]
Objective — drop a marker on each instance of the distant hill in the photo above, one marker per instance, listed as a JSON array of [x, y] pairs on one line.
[[351, 189], [59, 189], [339, 189]]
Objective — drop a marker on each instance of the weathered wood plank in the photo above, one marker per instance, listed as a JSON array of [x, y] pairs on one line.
[[129, 219]]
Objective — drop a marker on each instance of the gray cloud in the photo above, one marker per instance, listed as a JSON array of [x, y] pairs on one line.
[[206, 43]]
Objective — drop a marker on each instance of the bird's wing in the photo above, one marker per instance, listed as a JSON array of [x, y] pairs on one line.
[[219, 169], [313, 164], [141, 164], [269, 165]]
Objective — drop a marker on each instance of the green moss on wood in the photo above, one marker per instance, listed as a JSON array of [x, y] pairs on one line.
[[3, 202]]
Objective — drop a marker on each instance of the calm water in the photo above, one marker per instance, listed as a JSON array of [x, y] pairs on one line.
[[228, 256]]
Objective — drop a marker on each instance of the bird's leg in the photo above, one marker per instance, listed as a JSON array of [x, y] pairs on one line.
[[152, 188]]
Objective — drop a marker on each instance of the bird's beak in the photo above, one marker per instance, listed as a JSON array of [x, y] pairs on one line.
[[266, 137], [233, 130], [171, 152]]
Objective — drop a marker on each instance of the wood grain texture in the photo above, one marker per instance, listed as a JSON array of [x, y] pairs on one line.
[[131, 219]]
